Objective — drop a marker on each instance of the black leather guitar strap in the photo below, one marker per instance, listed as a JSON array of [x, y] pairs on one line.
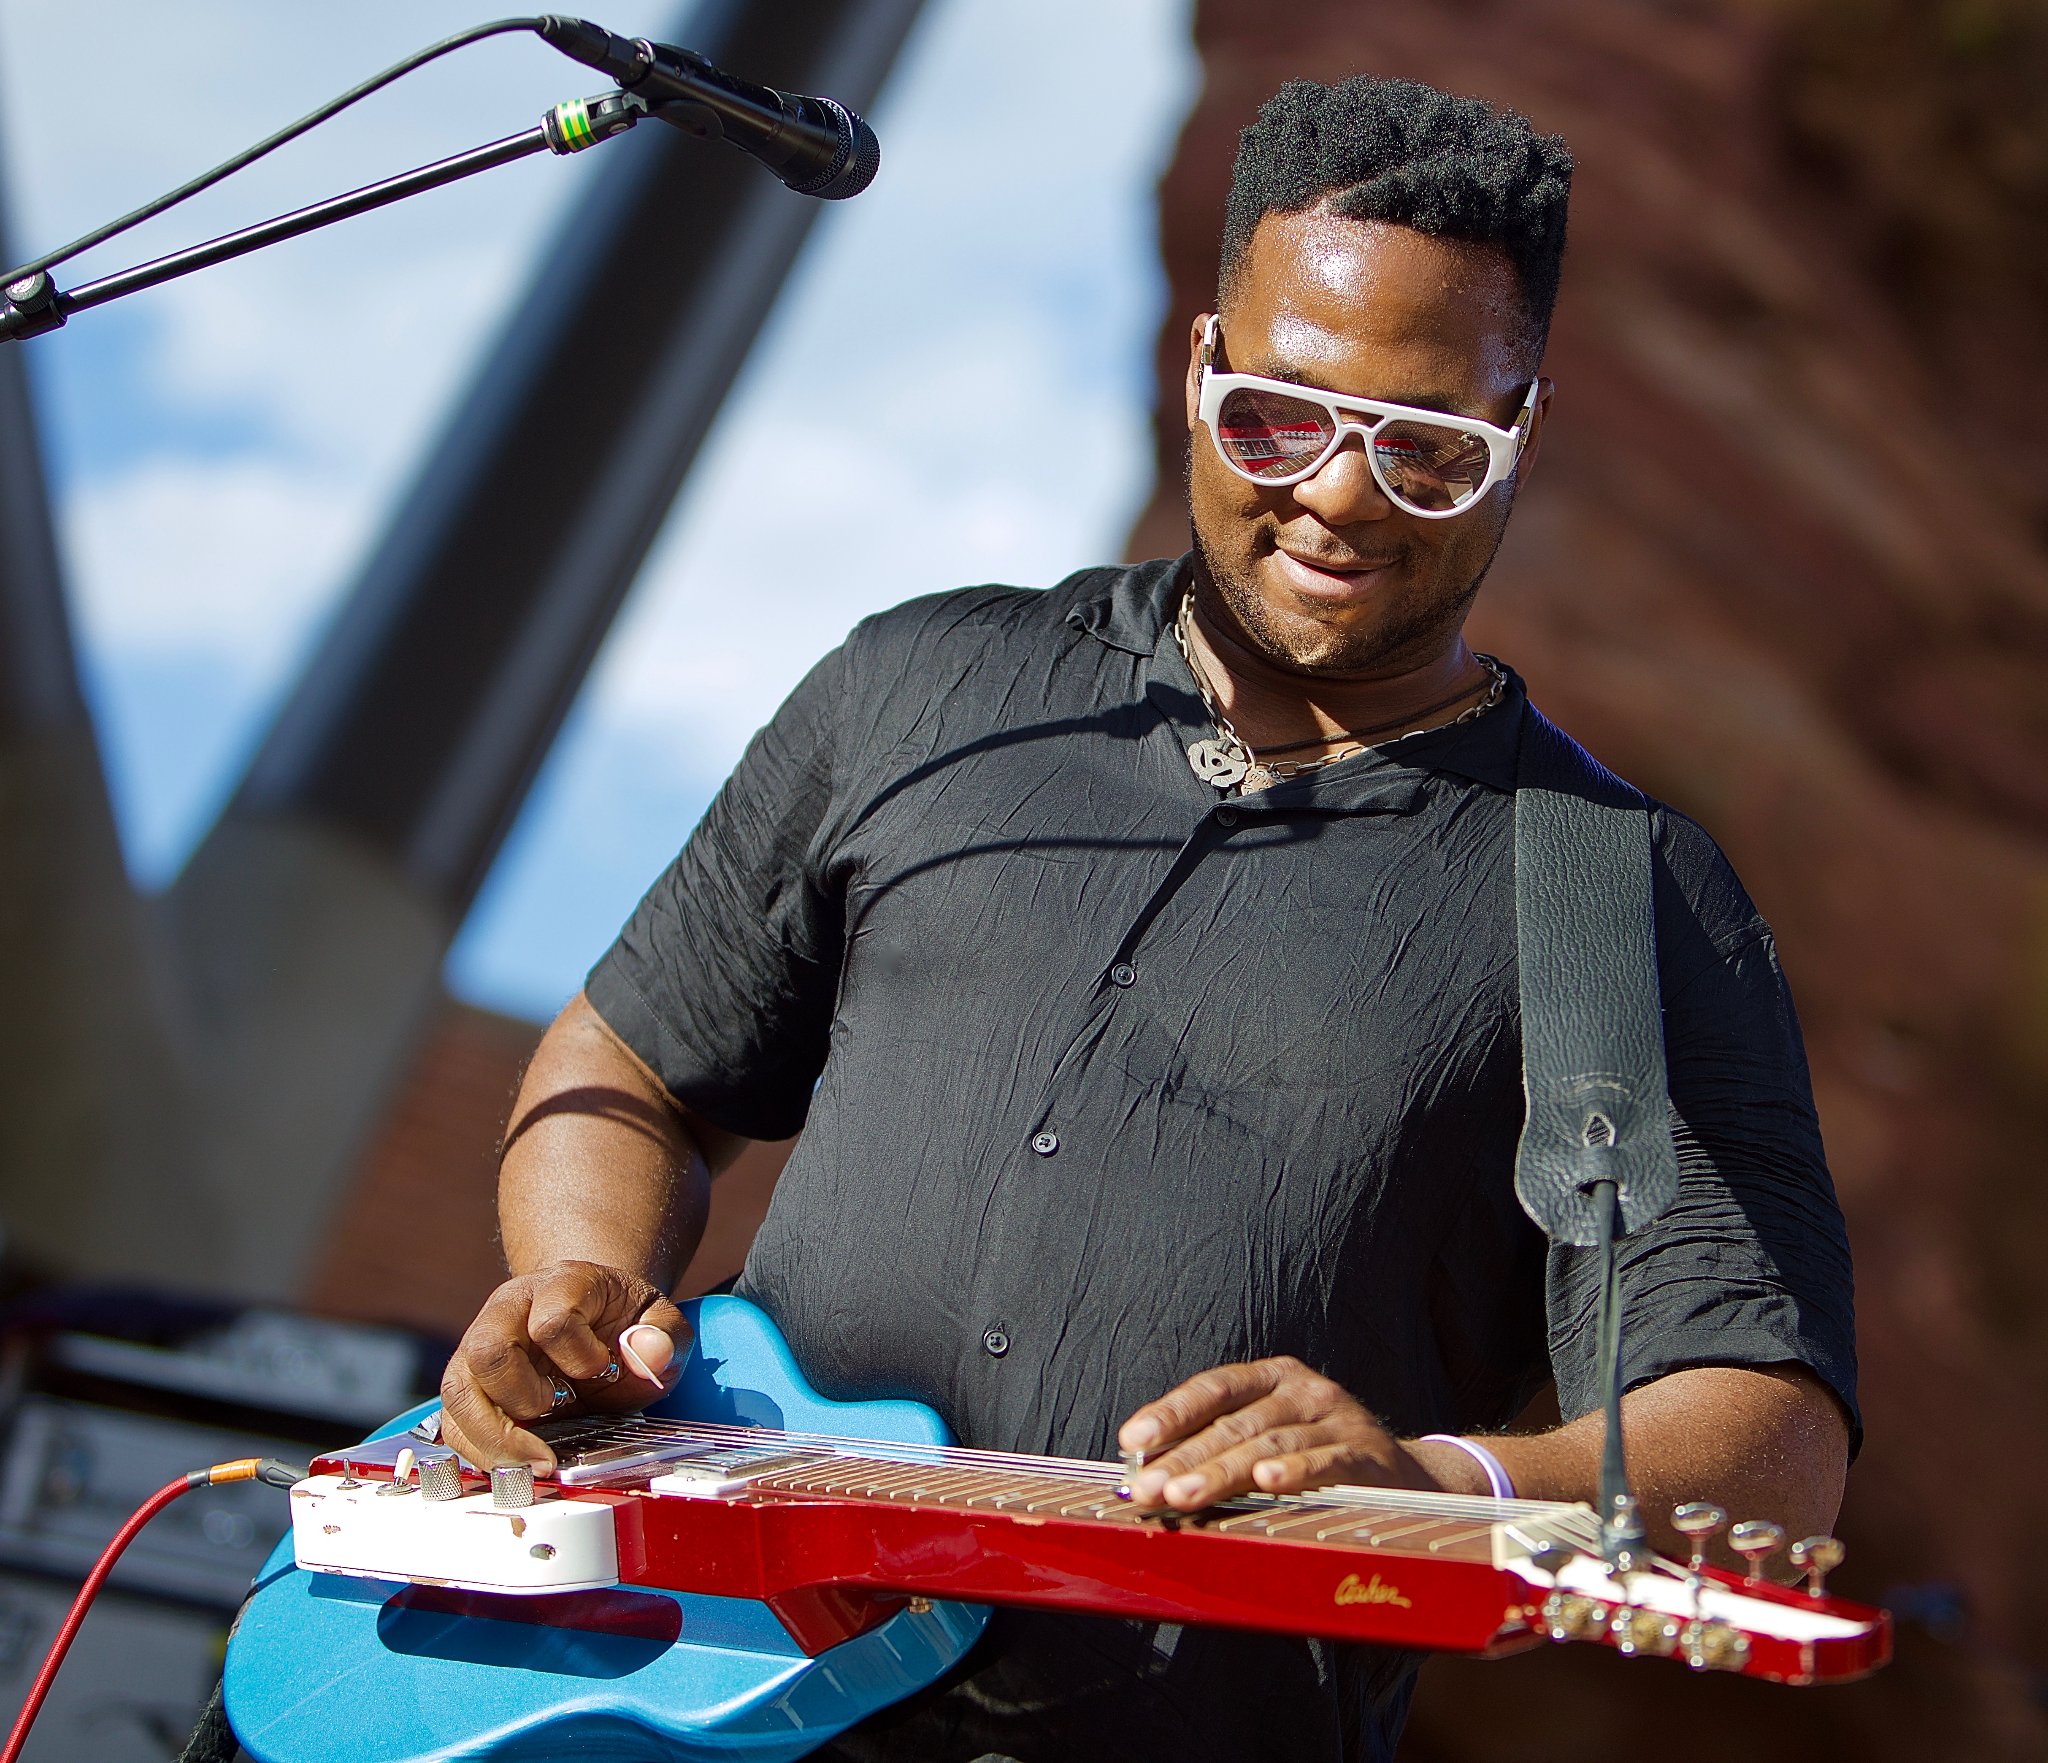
[[1592, 1012]]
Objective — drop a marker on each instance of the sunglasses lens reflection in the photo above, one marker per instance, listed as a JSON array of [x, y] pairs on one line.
[[1268, 435], [1430, 467]]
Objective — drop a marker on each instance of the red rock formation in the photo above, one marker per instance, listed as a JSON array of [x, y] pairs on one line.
[[1783, 565]]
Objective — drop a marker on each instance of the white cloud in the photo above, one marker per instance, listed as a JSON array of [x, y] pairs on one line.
[[246, 427], [231, 558], [112, 101], [955, 386], [980, 467], [349, 372], [958, 386]]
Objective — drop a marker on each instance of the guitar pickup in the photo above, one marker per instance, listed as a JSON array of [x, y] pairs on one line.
[[724, 1473], [608, 1465]]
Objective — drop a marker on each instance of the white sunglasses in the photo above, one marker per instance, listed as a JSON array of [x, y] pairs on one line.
[[1276, 433]]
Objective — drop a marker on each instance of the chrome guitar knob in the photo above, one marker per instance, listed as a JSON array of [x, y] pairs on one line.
[[1756, 1540], [1698, 1521], [512, 1487], [440, 1478], [1817, 1557]]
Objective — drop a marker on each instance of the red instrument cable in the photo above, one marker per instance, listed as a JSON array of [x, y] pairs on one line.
[[264, 1469]]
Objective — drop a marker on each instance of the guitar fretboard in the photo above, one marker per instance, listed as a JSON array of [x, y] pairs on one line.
[[767, 1461]]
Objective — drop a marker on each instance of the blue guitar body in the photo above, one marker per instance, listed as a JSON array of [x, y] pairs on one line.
[[323, 1669]]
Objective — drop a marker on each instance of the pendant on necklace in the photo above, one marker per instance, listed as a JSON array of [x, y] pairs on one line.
[[1257, 778], [1220, 762]]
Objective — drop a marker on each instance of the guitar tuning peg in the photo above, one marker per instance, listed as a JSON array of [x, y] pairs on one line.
[[1817, 1557], [1698, 1520], [1755, 1540]]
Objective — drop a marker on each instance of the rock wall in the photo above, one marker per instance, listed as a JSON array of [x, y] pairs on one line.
[[1786, 565]]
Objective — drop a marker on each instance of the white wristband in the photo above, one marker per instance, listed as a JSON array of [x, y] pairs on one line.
[[1497, 1477]]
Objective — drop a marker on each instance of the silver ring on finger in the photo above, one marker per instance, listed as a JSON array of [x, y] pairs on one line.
[[565, 1392], [610, 1374]]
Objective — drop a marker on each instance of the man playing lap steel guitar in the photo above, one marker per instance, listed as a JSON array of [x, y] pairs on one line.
[[1138, 959]]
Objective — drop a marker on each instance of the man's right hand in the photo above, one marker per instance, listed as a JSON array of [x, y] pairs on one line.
[[569, 1320]]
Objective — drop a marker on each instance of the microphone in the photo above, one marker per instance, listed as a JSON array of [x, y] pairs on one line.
[[814, 145]]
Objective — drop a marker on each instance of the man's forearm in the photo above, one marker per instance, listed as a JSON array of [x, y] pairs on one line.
[[1765, 1442], [602, 1192], [599, 1163]]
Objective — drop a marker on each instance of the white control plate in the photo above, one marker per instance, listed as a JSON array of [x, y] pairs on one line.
[[554, 1545]]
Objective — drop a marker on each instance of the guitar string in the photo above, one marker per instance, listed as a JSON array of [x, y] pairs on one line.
[[1534, 1524], [1547, 1525], [1081, 1471], [740, 1434], [729, 1432], [1078, 1469], [756, 1437]]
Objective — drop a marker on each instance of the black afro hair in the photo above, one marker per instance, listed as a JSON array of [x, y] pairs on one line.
[[1403, 152]]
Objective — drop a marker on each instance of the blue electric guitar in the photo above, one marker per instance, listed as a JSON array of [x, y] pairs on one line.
[[339, 1668]]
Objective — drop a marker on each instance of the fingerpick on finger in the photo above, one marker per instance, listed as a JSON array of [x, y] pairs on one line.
[[646, 1351]]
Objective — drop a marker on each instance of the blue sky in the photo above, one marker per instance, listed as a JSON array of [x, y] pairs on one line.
[[224, 449]]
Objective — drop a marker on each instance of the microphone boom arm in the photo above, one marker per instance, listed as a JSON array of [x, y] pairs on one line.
[[34, 304], [816, 146]]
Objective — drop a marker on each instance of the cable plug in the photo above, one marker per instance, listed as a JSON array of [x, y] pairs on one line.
[[271, 1471], [616, 57]]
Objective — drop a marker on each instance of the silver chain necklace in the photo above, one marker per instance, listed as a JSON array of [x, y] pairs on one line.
[[1226, 759]]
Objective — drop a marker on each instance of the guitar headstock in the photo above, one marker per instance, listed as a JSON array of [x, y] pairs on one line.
[[1708, 1618]]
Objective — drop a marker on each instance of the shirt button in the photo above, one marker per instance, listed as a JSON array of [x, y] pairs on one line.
[[995, 1343], [1045, 1143], [1226, 817], [1124, 974]]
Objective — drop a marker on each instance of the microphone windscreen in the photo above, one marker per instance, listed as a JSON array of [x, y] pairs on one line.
[[855, 168]]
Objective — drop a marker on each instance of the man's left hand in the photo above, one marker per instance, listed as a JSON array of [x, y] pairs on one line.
[[1273, 1427]]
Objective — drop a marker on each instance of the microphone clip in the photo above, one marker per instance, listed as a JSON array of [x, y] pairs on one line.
[[581, 123]]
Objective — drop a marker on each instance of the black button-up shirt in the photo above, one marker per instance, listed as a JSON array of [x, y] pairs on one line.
[[1104, 1080]]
